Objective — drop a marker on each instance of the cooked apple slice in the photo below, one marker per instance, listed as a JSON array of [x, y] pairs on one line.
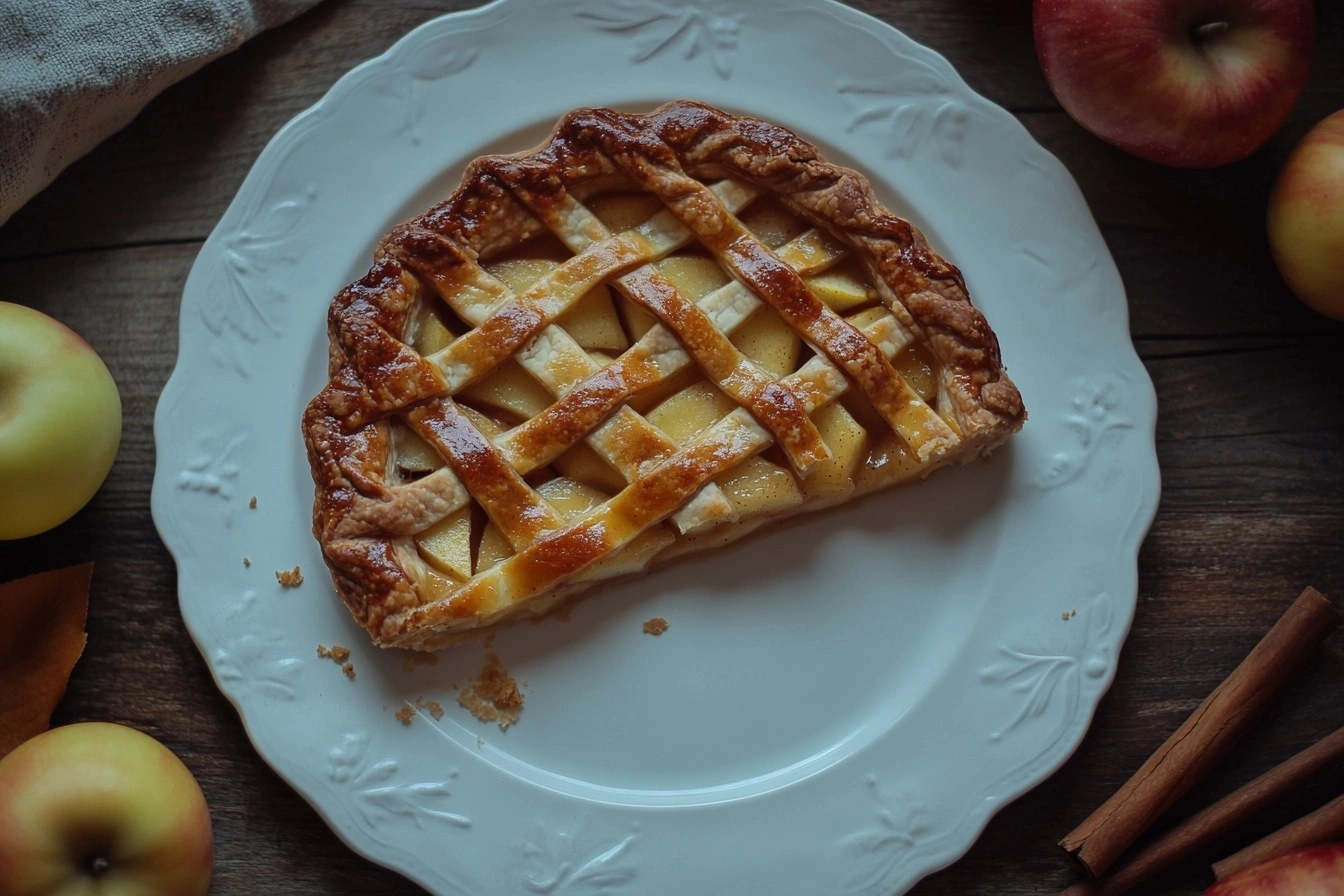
[[841, 289], [691, 410], [637, 321], [770, 342], [695, 276], [431, 334], [482, 422], [847, 440], [447, 543], [593, 323], [520, 273], [494, 547], [917, 366], [569, 498], [867, 316], [411, 453], [511, 389], [758, 486], [655, 395], [584, 464], [772, 223], [625, 211]]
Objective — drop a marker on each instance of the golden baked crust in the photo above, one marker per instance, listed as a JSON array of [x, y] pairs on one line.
[[703, 164]]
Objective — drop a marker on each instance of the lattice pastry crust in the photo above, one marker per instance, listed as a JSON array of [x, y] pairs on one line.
[[644, 338]]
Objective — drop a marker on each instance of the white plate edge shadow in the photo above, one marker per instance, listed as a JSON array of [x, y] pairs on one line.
[[169, 484]]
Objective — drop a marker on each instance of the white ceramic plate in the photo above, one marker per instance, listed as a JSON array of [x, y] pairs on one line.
[[838, 706]]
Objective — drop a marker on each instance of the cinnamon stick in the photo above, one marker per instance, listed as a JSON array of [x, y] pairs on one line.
[[1205, 736], [1218, 819], [1321, 826]]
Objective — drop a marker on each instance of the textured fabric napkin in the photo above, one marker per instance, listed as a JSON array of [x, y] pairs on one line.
[[74, 71]]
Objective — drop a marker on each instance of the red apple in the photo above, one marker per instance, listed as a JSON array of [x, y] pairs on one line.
[[96, 808], [1190, 83], [1315, 871], [1306, 218]]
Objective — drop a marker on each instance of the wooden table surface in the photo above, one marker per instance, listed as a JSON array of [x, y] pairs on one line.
[[1250, 435]]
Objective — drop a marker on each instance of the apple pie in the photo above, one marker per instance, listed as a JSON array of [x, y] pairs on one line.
[[647, 337]]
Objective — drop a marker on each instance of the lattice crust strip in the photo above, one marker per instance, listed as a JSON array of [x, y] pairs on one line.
[[705, 167], [710, 347], [560, 364], [562, 553], [654, 358]]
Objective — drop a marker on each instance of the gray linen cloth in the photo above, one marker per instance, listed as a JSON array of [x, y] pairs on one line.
[[74, 71]]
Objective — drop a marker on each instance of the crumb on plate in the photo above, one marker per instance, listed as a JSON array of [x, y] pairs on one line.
[[433, 707], [335, 652], [291, 578], [253, 503], [340, 656], [655, 626], [246, 562], [493, 695], [405, 714]]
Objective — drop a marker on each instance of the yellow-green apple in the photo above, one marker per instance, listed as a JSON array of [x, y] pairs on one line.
[[1314, 871], [1306, 218], [98, 808], [1190, 83], [60, 422]]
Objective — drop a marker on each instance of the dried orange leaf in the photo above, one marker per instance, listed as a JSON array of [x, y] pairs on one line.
[[41, 636]]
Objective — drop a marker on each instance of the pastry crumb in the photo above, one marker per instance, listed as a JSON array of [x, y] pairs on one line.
[[405, 714], [340, 656], [655, 626], [1068, 614], [418, 658], [433, 707], [493, 695], [253, 503], [246, 563], [334, 652], [291, 578]]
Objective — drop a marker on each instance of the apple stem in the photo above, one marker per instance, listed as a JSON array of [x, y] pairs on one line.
[[1209, 30]]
